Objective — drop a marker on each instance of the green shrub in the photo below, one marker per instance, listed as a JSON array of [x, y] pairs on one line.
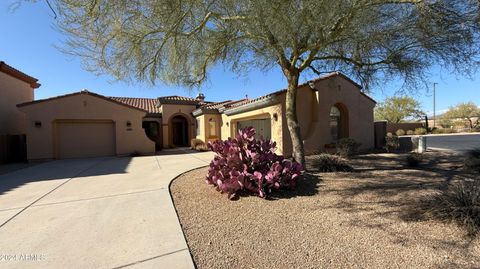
[[472, 160], [414, 159], [459, 203], [347, 147], [410, 132], [443, 131], [391, 143], [420, 131], [331, 163], [400, 132]]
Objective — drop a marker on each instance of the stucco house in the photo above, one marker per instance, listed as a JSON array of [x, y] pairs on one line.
[[15, 87], [85, 124]]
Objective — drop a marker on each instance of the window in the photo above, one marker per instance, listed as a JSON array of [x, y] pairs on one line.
[[212, 127], [334, 123], [198, 127]]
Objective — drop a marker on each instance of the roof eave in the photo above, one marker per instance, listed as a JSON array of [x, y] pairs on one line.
[[7, 69], [268, 101], [202, 111], [80, 93]]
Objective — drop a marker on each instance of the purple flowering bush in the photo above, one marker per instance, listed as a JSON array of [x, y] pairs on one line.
[[246, 163]]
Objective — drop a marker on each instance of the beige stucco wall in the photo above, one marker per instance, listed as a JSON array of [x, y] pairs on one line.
[[204, 129], [41, 141], [263, 113], [313, 110], [337, 90], [209, 135], [200, 121], [12, 92], [168, 112]]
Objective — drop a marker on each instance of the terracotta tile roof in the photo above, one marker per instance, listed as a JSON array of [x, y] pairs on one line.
[[148, 104], [9, 70], [177, 98], [248, 101], [215, 107], [181, 100], [78, 93]]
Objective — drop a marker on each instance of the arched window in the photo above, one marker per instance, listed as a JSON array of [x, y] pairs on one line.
[[338, 122]]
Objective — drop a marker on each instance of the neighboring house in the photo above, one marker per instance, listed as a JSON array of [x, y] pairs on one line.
[[85, 124], [15, 87]]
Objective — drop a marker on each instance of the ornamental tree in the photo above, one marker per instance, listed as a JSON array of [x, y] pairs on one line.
[[468, 112], [398, 109], [178, 41]]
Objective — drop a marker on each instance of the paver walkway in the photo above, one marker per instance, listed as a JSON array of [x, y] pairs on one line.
[[95, 213]]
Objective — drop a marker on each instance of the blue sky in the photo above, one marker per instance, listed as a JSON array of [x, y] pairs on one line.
[[27, 39]]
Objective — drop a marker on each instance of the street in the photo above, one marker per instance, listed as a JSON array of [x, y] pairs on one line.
[[460, 142]]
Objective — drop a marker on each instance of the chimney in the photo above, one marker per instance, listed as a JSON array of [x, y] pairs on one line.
[[200, 97]]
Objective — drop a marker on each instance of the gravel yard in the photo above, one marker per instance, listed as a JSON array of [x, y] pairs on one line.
[[370, 218]]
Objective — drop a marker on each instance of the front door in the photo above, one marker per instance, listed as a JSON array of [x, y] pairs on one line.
[[180, 131]]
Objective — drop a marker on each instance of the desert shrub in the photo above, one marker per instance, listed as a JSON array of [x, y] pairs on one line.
[[443, 131], [250, 164], [410, 132], [459, 203], [347, 147], [472, 160], [201, 147], [437, 131], [420, 131], [331, 163], [400, 132], [414, 159], [194, 142], [391, 143]]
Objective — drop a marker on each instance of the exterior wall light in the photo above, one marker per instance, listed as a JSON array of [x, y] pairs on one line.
[[129, 124], [275, 116], [38, 124]]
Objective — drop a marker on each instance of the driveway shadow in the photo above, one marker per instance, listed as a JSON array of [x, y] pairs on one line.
[[63, 169]]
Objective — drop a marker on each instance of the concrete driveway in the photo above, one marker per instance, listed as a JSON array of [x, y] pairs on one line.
[[94, 213]]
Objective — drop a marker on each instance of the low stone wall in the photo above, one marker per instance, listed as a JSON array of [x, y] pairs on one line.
[[393, 127]]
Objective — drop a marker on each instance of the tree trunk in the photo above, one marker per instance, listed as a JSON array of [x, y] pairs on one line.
[[292, 120], [470, 122]]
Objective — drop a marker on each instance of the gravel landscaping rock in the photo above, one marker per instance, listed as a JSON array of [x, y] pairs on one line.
[[370, 218]]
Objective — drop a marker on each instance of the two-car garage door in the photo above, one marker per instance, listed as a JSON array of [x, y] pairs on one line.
[[262, 127], [83, 138]]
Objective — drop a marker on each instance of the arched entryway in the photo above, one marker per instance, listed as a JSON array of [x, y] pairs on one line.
[[338, 122], [179, 131]]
